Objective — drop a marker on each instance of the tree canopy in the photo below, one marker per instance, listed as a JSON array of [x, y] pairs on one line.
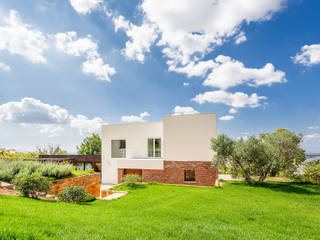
[[268, 154], [90, 145]]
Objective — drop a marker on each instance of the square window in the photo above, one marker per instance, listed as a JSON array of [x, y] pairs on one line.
[[118, 148], [189, 176]]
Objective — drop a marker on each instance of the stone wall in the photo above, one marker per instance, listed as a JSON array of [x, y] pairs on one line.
[[91, 182], [173, 173]]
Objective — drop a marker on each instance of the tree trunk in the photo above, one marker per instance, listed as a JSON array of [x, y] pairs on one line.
[[249, 179], [262, 177]]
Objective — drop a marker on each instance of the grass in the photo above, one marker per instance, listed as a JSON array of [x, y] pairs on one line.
[[155, 211], [79, 173]]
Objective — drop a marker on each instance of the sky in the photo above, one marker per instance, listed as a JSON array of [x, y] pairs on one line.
[[68, 66]]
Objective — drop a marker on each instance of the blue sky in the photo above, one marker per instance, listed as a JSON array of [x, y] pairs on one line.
[[66, 67]]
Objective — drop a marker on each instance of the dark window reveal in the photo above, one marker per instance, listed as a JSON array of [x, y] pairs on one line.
[[189, 176]]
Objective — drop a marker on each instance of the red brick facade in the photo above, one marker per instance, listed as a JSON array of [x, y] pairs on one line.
[[173, 173]]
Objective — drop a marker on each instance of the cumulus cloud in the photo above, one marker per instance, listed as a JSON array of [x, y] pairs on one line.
[[178, 110], [312, 136], [48, 119], [241, 37], [226, 118], [233, 110], [134, 118], [20, 38], [313, 127], [226, 72], [141, 38], [186, 84], [189, 27], [86, 125], [235, 100], [309, 55], [4, 67], [70, 43], [84, 6]]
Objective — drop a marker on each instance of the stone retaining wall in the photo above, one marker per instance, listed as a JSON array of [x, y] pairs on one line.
[[173, 173], [91, 182]]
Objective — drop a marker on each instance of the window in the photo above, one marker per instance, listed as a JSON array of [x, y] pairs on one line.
[[82, 166], [154, 147], [118, 148], [189, 176]]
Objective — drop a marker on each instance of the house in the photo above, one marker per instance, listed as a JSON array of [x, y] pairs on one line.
[[176, 150]]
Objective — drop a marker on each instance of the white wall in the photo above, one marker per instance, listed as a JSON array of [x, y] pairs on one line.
[[136, 136], [187, 137]]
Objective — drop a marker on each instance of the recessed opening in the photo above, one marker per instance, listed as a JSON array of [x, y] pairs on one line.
[[189, 176]]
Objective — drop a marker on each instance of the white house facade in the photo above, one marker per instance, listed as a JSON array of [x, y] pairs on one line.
[[176, 150]]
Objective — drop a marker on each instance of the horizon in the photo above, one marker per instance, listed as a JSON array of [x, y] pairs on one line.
[[255, 64]]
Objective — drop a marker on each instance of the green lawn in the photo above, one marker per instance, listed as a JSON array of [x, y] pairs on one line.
[[234, 211]]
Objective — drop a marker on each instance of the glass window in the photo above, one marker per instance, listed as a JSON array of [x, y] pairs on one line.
[[154, 147], [118, 148], [189, 176], [80, 166], [87, 165]]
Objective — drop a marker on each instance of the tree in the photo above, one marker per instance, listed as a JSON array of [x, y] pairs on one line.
[[50, 149], [270, 153], [90, 145]]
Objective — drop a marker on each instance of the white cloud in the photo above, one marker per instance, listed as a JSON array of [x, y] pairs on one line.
[[19, 38], [313, 127], [84, 6], [309, 55], [189, 27], [233, 110], [229, 73], [4, 67], [134, 118], [178, 110], [144, 114], [226, 118], [86, 125], [96, 67], [240, 38], [312, 136], [235, 100], [47, 119], [72, 45], [186, 84], [30, 110], [141, 38]]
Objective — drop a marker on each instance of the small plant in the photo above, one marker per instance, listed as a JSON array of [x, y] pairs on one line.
[[132, 179], [32, 185], [75, 194]]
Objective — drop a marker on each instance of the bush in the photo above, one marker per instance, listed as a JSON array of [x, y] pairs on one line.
[[32, 185], [312, 171], [75, 194], [10, 169], [132, 179]]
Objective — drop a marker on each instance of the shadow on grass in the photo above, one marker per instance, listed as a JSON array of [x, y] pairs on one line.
[[297, 188]]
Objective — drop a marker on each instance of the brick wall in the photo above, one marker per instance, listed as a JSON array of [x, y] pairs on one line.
[[91, 182], [173, 173]]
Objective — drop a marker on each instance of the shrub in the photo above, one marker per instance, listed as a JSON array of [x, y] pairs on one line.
[[32, 185], [312, 171], [90, 198], [74, 194], [10, 169], [132, 179], [54, 170]]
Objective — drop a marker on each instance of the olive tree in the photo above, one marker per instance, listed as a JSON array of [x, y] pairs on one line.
[[270, 153]]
